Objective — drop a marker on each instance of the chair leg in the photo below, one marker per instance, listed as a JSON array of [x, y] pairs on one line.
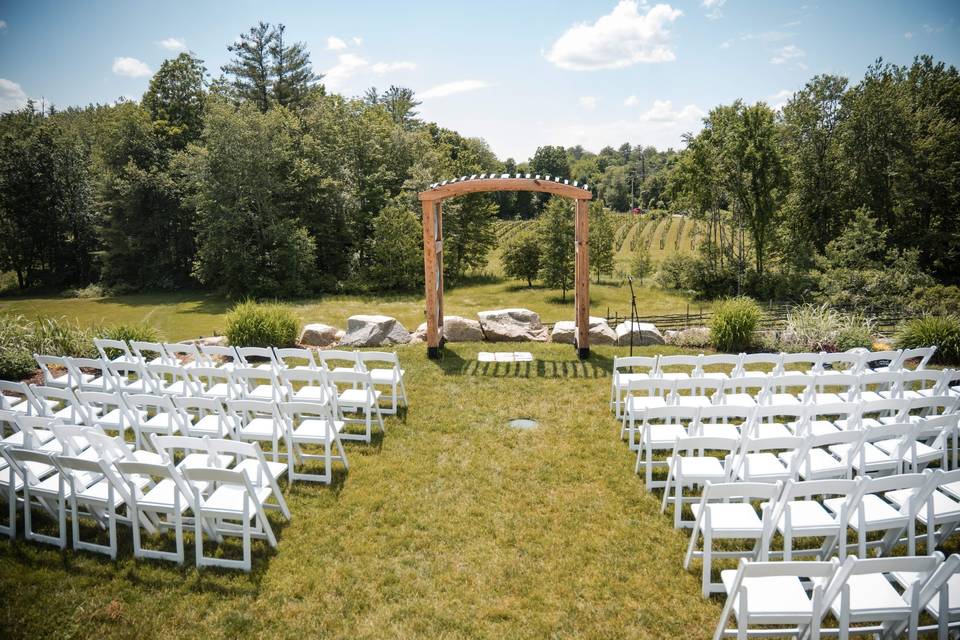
[[707, 556]]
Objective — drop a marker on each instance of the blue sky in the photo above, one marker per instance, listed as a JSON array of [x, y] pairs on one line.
[[518, 74]]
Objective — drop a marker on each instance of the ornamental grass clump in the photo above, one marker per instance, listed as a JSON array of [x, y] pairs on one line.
[[255, 324], [943, 332], [734, 324]]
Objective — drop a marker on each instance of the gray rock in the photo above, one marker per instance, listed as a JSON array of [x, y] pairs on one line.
[[374, 331], [512, 325], [455, 329], [599, 333], [212, 341], [318, 335], [644, 333]]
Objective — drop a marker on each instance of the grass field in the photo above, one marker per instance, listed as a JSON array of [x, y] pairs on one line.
[[451, 526]]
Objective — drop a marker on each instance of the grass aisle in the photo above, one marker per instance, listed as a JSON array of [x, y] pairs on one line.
[[453, 526]]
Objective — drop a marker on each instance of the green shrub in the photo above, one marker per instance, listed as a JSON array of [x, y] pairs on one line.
[[734, 324], [61, 337], [16, 357], [128, 332], [940, 331], [938, 300], [254, 324], [813, 327]]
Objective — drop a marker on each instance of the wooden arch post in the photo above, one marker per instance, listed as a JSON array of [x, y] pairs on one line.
[[432, 202]]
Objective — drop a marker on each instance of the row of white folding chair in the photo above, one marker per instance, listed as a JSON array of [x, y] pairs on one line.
[[631, 368], [890, 506], [89, 470], [883, 597], [388, 374], [769, 452], [309, 420]]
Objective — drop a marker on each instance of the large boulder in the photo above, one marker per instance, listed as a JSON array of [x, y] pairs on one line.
[[643, 333], [318, 335], [455, 329], [599, 332], [374, 331], [512, 325]]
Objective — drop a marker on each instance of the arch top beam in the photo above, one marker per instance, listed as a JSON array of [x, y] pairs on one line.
[[505, 182]]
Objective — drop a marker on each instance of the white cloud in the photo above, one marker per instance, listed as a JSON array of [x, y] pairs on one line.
[[350, 64], [130, 67], [908, 35], [714, 8], [12, 96], [387, 67], [930, 28], [787, 53], [357, 40], [451, 88], [173, 44], [778, 100], [663, 111], [619, 39], [335, 44], [3, 25], [631, 101], [588, 102]]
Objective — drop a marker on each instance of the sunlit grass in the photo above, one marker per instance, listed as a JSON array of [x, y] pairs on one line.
[[454, 526]]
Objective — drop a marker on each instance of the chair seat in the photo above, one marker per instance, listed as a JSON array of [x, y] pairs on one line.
[[878, 514], [218, 390], [114, 419], [208, 425], [205, 461], [386, 376], [715, 375], [809, 518], [135, 386], [16, 439], [253, 470], [718, 430], [311, 394], [818, 464], [262, 428], [783, 399], [874, 396], [908, 578], [99, 494], [623, 380], [162, 497], [692, 401], [266, 392], [772, 430], [771, 599], [762, 466], [875, 458], [161, 422], [674, 375], [50, 487], [951, 489], [873, 598], [925, 453], [945, 509], [700, 469], [316, 431], [358, 397], [732, 520], [823, 427], [662, 436], [738, 400], [176, 388], [639, 404], [228, 500]]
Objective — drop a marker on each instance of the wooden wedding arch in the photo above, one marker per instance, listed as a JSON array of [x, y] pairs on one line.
[[432, 201]]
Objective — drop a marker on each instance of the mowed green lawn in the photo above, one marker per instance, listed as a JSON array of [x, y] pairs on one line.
[[181, 316], [450, 526]]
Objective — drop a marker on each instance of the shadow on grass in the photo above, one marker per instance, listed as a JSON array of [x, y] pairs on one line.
[[596, 366]]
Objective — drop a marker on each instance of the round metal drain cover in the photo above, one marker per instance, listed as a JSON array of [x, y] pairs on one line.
[[523, 423]]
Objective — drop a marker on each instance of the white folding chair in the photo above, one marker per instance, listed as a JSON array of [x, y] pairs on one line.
[[691, 465], [787, 389], [676, 367], [262, 473], [717, 518], [866, 595], [188, 452], [869, 459], [659, 430], [64, 404], [202, 416], [837, 387], [18, 398], [183, 354], [763, 597], [799, 513], [149, 352], [258, 421], [307, 385], [153, 414], [109, 410], [217, 356], [90, 373], [758, 364], [848, 362], [721, 365], [820, 419], [172, 380], [721, 421], [258, 384], [33, 474], [295, 358], [940, 513], [390, 376], [922, 383], [758, 459], [918, 357], [55, 372], [29, 432], [358, 396], [624, 373], [100, 499], [234, 508], [880, 361], [775, 420], [129, 377], [640, 395], [820, 462], [214, 382], [258, 358], [337, 360], [743, 391], [879, 412], [114, 350], [882, 385], [803, 362], [694, 392], [940, 595], [312, 424]]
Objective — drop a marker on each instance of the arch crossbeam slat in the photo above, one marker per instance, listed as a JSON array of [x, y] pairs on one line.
[[432, 201]]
